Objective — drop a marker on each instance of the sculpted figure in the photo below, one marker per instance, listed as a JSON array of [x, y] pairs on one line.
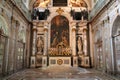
[[40, 45], [79, 44]]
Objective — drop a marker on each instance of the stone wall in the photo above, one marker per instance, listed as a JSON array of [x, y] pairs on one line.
[[102, 49], [17, 44]]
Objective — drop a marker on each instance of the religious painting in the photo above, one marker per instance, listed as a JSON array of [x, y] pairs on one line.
[[59, 32], [40, 44], [78, 3]]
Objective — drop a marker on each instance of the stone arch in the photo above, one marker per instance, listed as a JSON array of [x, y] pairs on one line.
[[115, 33], [65, 14], [116, 26], [52, 15], [4, 26]]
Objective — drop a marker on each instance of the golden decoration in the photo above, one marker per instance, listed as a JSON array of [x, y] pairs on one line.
[[60, 11], [60, 61]]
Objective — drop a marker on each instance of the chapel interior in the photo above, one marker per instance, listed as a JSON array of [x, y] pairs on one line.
[[59, 39]]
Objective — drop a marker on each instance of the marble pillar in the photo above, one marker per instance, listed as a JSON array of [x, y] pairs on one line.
[[85, 49], [85, 42], [45, 39], [44, 58], [74, 40], [75, 58], [34, 45]]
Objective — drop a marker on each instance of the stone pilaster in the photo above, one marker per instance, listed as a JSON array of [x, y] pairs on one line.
[[34, 44], [75, 58], [45, 38], [74, 41], [44, 58], [85, 42]]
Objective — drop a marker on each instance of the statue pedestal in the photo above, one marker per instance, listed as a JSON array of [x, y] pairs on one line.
[[80, 53], [75, 61], [44, 61], [32, 65], [84, 61], [39, 53]]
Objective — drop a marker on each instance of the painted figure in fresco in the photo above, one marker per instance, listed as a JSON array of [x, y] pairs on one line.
[[55, 40], [79, 44], [40, 45], [78, 3], [60, 32]]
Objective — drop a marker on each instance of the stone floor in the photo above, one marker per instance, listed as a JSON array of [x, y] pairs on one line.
[[60, 73]]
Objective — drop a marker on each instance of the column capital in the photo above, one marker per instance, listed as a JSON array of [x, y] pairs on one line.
[[34, 29], [35, 23], [45, 28], [73, 23], [85, 29], [46, 23], [74, 28]]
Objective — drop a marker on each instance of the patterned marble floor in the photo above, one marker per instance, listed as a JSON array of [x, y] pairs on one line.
[[60, 73]]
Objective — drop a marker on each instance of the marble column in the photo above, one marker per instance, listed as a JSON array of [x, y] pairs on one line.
[[85, 42], [74, 40], [44, 58], [75, 58], [45, 39], [34, 44], [86, 59]]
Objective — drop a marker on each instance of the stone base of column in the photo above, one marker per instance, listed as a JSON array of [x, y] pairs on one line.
[[83, 61], [75, 61], [86, 61], [44, 61], [32, 62]]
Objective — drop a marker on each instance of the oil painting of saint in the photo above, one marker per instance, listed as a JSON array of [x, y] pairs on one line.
[[59, 31]]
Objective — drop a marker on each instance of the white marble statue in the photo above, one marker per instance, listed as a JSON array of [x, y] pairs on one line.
[[79, 45], [40, 45]]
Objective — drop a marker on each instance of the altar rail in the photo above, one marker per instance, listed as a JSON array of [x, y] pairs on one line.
[[59, 52]]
